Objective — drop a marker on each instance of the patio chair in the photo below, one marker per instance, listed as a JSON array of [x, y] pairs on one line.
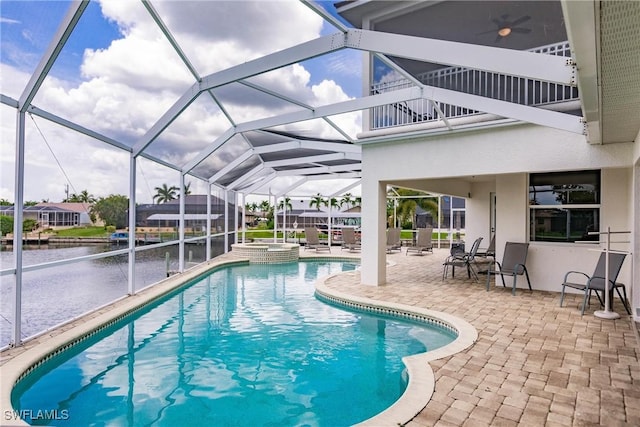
[[349, 240], [312, 239], [459, 258], [490, 251], [513, 264], [423, 241], [596, 282], [393, 239]]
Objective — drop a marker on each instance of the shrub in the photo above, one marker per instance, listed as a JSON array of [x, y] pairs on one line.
[[29, 224], [6, 224]]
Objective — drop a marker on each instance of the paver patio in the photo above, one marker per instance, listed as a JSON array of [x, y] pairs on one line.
[[534, 363]]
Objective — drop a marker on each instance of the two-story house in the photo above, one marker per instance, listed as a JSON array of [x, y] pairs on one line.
[[528, 109]]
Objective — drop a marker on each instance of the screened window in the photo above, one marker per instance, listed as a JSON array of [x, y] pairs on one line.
[[564, 206]]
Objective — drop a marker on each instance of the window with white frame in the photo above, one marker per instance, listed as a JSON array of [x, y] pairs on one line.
[[564, 206]]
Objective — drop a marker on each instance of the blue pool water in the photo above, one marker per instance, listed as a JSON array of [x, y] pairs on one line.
[[243, 346]]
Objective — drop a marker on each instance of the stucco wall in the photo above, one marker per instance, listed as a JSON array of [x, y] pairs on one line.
[[478, 212], [548, 262], [506, 156], [515, 149]]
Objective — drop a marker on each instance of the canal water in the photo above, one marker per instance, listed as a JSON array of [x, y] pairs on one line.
[[54, 295]]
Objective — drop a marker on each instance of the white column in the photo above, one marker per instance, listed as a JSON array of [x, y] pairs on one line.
[[275, 218], [244, 216], [235, 217], [208, 240], [450, 221], [16, 339], [284, 218], [439, 219], [374, 225], [226, 221], [182, 225], [329, 223], [132, 226]]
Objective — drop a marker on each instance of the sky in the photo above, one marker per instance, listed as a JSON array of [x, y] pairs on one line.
[[118, 74]]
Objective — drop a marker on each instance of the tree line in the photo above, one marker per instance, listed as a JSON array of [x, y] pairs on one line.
[[316, 201], [112, 210]]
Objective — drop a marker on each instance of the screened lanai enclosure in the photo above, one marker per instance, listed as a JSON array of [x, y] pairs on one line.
[[224, 100], [129, 96]]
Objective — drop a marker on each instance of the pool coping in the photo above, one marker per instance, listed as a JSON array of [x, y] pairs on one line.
[[421, 384], [415, 397], [22, 364]]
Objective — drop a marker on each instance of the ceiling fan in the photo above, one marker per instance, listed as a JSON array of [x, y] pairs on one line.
[[505, 27]]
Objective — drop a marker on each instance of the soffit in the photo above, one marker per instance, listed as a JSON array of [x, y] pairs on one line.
[[605, 42], [620, 70]]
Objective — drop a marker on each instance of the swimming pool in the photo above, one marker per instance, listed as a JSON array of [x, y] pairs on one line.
[[245, 345]]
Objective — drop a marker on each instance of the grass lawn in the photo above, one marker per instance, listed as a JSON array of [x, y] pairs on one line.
[[83, 232], [255, 234]]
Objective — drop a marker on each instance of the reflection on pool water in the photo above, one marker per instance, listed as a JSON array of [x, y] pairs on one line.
[[243, 346]]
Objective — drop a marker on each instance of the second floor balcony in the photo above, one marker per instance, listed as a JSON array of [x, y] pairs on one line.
[[518, 90]]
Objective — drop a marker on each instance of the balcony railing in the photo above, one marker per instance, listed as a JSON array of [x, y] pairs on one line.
[[503, 87]]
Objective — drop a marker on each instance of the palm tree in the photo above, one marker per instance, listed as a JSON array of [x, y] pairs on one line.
[[83, 197], [407, 206], [430, 205], [318, 201], [251, 207], [347, 200], [335, 203], [264, 206], [165, 193], [187, 189], [285, 204]]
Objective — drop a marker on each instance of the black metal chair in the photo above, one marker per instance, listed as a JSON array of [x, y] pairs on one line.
[[513, 264], [459, 258], [490, 251], [596, 282]]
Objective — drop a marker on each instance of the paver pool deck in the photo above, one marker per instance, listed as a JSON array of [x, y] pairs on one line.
[[534, 363]]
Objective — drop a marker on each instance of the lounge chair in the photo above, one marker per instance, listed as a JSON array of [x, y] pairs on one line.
[[349, 240], [596, 281], [312, 239], [513, 264], [459, 258], [423, 241], [393, 239]]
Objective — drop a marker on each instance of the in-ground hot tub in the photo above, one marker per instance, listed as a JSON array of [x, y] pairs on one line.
[[267, 253]]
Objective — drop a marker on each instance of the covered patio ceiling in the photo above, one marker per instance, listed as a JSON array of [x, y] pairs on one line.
[[241, 127]]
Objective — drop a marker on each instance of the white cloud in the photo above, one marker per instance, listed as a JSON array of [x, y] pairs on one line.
[[142, 63], [13, 80], [345, 62], [218, 34], [4, 20], [130, 84], [328, 92]]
